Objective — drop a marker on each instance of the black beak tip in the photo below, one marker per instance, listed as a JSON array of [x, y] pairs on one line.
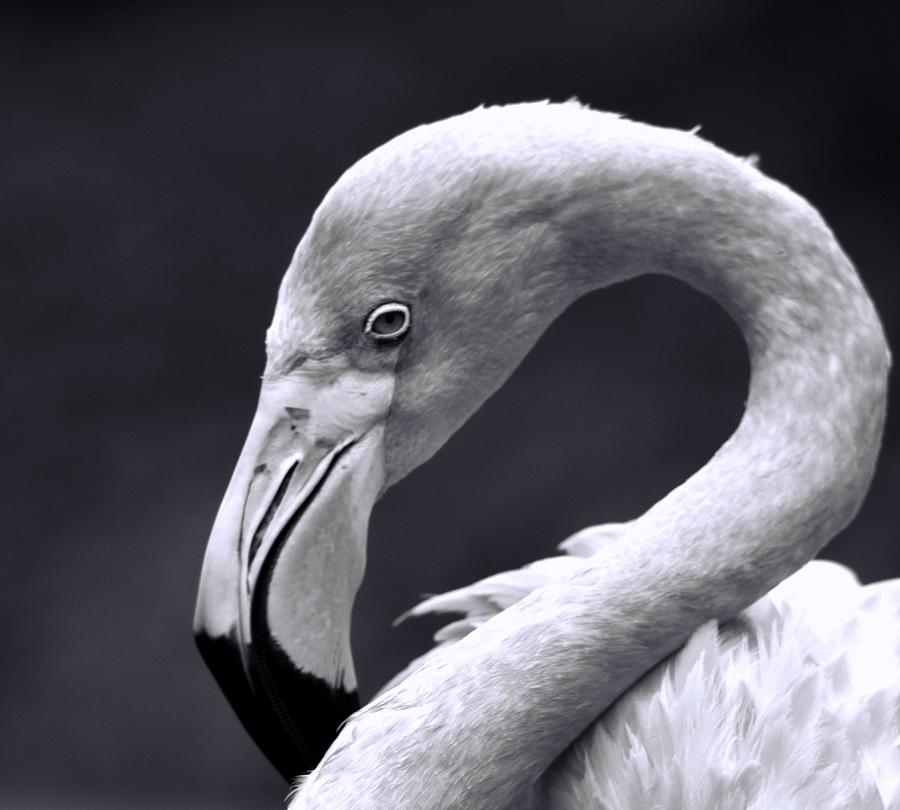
[[277, 700]]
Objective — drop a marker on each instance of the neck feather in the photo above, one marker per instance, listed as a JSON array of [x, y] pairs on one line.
[[476, 728]]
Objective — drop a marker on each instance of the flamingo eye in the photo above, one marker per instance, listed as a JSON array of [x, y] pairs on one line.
[[388, 322]]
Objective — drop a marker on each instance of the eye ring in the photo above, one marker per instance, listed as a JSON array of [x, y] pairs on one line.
[[388, 322]]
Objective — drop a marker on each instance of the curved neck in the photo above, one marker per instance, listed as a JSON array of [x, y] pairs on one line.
[[800, 462], [476, 727]]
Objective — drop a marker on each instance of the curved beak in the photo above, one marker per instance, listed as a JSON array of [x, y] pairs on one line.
[[285, 559]]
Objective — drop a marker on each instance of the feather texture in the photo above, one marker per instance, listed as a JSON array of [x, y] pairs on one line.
[[489, 225], [793, 704]]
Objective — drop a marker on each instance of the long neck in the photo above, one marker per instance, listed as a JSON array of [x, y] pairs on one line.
[[476, 728]]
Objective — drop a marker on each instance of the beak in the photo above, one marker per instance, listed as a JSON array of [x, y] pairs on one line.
[[285, 559]]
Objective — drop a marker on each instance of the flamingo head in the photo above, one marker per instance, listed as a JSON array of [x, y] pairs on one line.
[[426, 274]]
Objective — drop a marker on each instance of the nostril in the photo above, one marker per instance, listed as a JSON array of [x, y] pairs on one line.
[[298, 361], [270, 510]]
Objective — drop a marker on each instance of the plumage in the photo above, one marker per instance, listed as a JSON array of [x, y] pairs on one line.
[[793, 704], [481, 229]]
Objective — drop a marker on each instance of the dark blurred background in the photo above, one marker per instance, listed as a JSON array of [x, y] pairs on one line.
[[159, 163]]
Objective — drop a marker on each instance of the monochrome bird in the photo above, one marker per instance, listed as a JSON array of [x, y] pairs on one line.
[[658, 663]]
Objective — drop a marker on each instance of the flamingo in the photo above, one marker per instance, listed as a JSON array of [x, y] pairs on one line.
[[693, 657]]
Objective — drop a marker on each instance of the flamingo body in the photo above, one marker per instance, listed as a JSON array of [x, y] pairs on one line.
[[427, 273], [793, 704]]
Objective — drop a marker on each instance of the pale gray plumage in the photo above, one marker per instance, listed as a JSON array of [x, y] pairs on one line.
[[488, 225], [795, 704]]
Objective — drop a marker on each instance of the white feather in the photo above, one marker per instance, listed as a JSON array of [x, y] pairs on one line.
[[794, 704]]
